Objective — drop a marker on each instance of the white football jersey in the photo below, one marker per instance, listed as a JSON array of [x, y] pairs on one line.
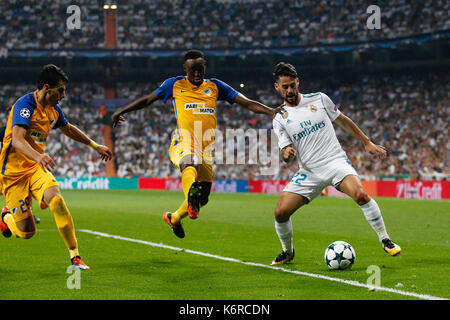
[[308, 127]]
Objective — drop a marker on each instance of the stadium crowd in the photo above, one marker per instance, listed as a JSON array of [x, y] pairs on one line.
[[180, 24], [407, 114]]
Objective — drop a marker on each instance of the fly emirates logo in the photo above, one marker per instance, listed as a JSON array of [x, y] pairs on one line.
[[198, 108], [308, 129]]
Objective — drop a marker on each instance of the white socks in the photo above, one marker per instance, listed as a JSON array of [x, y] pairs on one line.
[[373, 216], [284, 232]]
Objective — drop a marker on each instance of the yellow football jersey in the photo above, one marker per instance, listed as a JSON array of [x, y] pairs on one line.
[[195, 107], [38, 120]]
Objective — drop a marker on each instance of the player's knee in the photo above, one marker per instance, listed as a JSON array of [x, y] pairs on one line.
[[57, 205], [361, 197], [282, 214], [50, 194]]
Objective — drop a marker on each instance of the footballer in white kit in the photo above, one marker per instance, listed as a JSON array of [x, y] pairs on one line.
[[308, 128], [305, 131]]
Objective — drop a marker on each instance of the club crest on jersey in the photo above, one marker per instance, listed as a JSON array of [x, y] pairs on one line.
[[208, 92], [284, 114], [198, 108], [313, 108]]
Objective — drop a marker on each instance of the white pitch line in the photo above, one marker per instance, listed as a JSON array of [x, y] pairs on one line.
[[307, 274]]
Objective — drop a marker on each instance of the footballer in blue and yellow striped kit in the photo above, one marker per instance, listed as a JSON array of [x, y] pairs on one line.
[[26, 169], [194, 100]]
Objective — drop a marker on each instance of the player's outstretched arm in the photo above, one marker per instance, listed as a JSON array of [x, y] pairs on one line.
[[348, 125], [133, 106], [21, 144], [76, 134], [255, 106]]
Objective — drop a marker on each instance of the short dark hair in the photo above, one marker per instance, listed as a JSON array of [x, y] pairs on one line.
[[51, 75], [284, 69], [193, 54]]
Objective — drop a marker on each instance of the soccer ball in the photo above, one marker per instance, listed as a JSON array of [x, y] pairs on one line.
[[340, 255]]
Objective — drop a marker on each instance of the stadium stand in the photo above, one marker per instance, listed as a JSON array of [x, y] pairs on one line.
[[180, 24]]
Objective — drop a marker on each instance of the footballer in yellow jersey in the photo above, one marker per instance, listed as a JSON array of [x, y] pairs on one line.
[[2, 135], [194, 100], [25, 169]]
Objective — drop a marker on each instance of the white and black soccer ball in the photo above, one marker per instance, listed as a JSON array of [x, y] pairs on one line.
[[340, 255]]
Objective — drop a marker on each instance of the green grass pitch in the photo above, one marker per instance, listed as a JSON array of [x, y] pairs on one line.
[[237, 226]]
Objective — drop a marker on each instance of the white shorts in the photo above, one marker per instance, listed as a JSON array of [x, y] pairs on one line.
[[310, 183]]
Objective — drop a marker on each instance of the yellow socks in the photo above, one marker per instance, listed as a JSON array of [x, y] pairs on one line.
[[64, 223], [181, 212], [188, 177]]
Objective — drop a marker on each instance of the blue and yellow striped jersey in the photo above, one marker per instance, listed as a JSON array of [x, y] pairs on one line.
[[194, 106]]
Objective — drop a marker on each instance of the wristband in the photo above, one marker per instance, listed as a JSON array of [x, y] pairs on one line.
[[93, 145]]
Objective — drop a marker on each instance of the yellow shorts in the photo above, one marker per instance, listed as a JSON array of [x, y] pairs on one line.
[[203, 156], [19, 190]]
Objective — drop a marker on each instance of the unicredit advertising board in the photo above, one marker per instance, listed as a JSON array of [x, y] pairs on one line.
[[391, 189]]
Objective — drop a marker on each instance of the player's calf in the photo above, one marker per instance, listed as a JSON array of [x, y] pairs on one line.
[[64, 222]]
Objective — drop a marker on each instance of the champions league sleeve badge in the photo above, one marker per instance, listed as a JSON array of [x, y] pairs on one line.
[[25, 113]]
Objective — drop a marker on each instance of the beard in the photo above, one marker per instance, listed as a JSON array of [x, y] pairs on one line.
[[292, 99]]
